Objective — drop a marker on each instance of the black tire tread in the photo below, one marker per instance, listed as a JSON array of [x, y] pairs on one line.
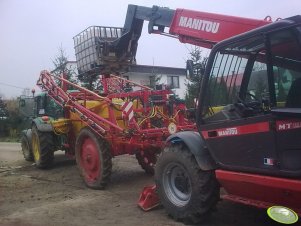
[[150, 170], [26, 149], [206, 187], [104, 150], [107, 163], [47, 148]]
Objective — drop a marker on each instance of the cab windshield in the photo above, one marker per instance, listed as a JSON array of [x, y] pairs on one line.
[[262, 68]]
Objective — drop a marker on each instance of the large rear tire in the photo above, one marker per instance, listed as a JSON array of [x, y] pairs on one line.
[[43, 148], [26, 148], [188, 193], [93, 158]]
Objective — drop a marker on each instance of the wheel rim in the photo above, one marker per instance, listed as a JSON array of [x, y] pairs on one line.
[[90, 160], [177, 184], [35, 147]]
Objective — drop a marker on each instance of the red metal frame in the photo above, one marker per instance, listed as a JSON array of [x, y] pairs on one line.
[[148, 199], [89, 160], [259, 127], [140, 135], [260, 191]]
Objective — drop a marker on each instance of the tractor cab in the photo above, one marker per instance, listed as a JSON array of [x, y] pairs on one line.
[[44, 105], [249, 105], [37, 106], [33, 108]]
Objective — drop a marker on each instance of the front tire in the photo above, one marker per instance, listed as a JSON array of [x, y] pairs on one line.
[[188, 193], [43, 148], [26, 148], [93, 158]]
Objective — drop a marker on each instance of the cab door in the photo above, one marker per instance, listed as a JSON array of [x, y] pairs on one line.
[[246, 144], [238, 127]]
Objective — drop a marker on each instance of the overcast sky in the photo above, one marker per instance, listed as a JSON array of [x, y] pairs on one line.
[[33, 30]]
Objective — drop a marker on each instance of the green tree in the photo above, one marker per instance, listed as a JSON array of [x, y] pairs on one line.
[[218, 91], [14, 117], [61, 67], [3, 110], [3, 118], [11, 121], [198, 66], [153, 80], [89, 81]]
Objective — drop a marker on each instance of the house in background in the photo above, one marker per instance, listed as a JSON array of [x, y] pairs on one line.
[[174, 78]]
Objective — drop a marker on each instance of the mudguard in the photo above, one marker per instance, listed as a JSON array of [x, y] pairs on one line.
[[42, 126], [197, 146]]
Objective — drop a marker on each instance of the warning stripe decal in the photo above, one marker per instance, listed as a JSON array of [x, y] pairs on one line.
[[127, 110]]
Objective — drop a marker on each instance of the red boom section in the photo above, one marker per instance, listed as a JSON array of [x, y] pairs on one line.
[[206, 29], [69, 101], [139, 119]]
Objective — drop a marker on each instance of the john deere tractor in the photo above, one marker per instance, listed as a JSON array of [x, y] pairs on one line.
[[38, 113]]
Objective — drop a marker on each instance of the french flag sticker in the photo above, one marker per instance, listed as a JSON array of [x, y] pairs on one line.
[[268, 161]]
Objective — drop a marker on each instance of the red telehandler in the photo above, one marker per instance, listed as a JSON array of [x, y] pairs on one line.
[[248, 113]]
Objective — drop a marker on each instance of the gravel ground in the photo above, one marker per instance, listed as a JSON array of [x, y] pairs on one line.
[[58, 196]]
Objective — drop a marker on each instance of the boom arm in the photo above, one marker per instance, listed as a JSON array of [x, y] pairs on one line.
[[104, 50], [198, 28]]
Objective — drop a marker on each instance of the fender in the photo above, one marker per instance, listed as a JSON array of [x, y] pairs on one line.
[[197, 146], [41, 125]]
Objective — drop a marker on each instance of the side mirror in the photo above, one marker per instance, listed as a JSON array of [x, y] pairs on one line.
[[189, 69]]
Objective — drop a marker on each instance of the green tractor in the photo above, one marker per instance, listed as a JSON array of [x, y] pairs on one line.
[[39, 141]]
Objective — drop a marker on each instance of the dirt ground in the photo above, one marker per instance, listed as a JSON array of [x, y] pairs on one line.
[[58, 196]]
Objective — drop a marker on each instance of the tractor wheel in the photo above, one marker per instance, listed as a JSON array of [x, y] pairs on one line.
[[26, 148], [188, 193], [147, 161], [93, 158], [43, 148]]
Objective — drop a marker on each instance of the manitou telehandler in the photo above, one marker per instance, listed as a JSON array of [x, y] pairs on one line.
[[249, 124], [248, 113]]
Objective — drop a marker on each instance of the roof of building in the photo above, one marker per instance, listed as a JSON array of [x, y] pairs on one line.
[[156, 70], [147, 69]]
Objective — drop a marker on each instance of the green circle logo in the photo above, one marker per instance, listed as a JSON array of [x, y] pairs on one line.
[[282, 215]]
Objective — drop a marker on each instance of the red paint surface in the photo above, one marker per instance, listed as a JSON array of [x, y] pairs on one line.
[[261, 191], [229, 26], [89, 160], [283, 125], [241, 130]]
